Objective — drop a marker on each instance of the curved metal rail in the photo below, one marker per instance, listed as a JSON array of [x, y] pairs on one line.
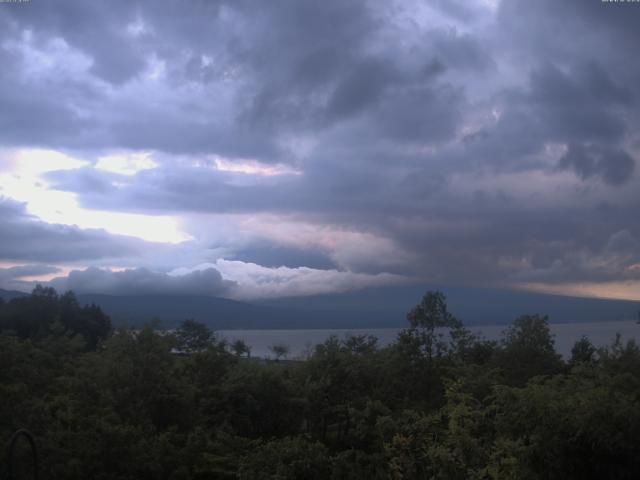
[[34, 450]]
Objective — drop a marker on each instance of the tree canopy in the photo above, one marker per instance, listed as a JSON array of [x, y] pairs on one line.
[[45, 313], [439, 403]]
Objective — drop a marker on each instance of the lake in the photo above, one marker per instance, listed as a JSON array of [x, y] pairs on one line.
[[302, 341]]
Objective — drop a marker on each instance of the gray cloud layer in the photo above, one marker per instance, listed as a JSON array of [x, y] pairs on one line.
[[141, 281]]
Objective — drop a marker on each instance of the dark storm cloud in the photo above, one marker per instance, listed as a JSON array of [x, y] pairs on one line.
[[579, 105], [33, 116], [330, 190], [544, 246], [25, 238], [443, 137], [420, 115], [613, 166], [485, 238], [278, 67], [608, 26], [359, 88], [71, 110], [140, 281], [617, 260], [94, 28]]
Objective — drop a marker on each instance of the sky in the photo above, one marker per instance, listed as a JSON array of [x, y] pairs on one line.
[[263, 149]]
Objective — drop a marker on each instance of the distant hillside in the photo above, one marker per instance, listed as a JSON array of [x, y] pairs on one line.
[[9, 294], [373, 308], [218, 313], [475, 306]]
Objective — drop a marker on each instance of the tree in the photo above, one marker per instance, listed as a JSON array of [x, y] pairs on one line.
[[89, 321], [44, 314], [239, 347], [583, 351], [256, 400], [528, 350], [287, 459], [193, 336], [427, 321], [280, 350], [360, 344]]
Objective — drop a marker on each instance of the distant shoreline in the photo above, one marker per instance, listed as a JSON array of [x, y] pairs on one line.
[[565, 334]]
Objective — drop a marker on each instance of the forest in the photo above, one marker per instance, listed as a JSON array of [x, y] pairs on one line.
[[438, 403]]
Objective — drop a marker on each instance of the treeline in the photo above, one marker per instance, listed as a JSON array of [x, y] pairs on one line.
[[439, 403], [45, 313]]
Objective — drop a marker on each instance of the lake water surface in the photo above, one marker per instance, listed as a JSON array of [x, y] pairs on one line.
[[301, 342]]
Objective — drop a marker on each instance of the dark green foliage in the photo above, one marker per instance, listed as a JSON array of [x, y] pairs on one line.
[[256, 401], [527, 350], [289, 458], [583, 351], [440, 403], [427, 321], [193, 336], [45, 313]]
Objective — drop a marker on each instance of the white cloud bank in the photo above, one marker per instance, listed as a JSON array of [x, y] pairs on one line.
[[224, 278], [252, 281]]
